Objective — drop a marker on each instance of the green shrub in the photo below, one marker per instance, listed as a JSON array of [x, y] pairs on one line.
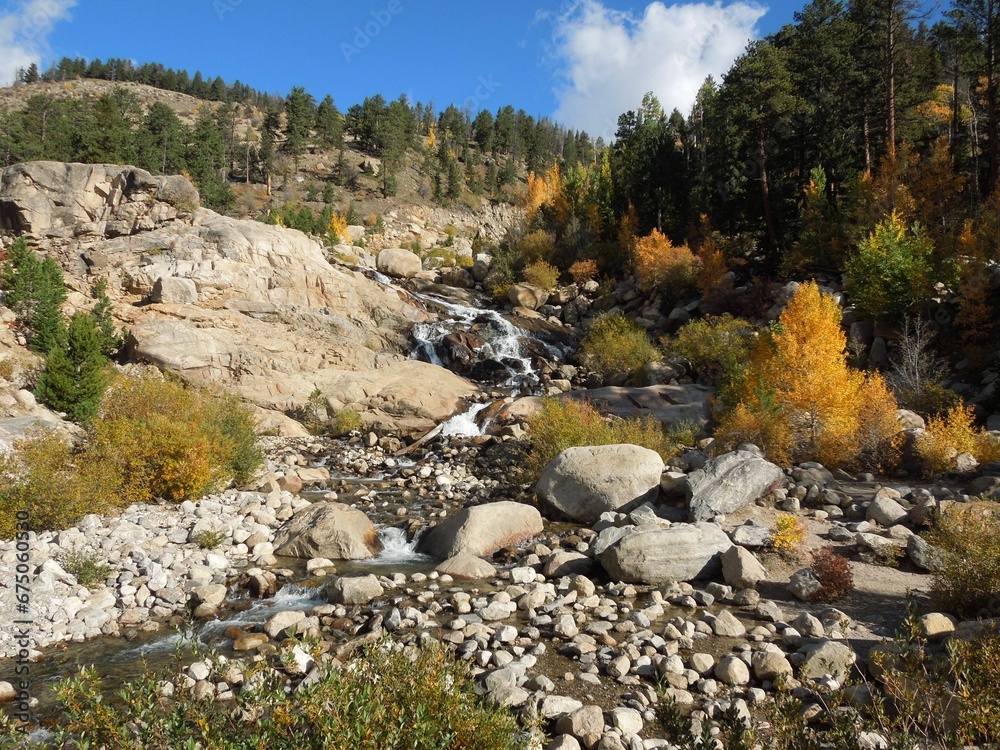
[[718, 348], [966, 542], [56, 487], [382, 698], [891, 270], [344, 422], [686, 432], [173, 442], [208, 539], [542, 274], [563, 423], [950, 695], [86, 567], [616, 347]]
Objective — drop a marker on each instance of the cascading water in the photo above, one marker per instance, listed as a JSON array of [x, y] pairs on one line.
[[464, 425], [503, 340], [398, 552]]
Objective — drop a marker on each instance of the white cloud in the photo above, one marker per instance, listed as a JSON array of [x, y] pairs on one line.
[[609, 59], [25, 26]]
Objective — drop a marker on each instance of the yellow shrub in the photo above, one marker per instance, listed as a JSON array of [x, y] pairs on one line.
[[169, 441], [538, 245], [542, 274], [764, 427], [787, 534], [56, 487], [616, 347], [952, 434], [659, 264], [878, 437]]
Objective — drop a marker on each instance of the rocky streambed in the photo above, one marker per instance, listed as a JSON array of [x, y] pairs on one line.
[[586, 624]]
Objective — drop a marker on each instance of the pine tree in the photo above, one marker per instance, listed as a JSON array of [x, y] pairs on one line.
[[300, 111], [34, 290], [111, 337], [75, 374], [329, 123]]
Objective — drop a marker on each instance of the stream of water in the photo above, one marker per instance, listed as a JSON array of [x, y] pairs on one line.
[[123, 659]]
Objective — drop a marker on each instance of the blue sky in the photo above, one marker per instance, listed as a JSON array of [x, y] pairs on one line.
[[583, 61]]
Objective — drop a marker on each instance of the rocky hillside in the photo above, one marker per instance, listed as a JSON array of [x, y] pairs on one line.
[[254, 308]]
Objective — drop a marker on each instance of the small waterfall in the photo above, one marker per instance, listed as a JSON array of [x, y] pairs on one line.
[[396, 549], [464, 425], [503, 339]]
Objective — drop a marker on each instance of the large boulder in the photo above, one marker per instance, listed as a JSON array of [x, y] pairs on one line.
[[395, 261], [481, 530], [729, 482], [585, 482], [255, 309], [670, 404], [353, 590], [467, 568], [174, 290], [682, 552], [741, 569], [329, 530], [526, 295]]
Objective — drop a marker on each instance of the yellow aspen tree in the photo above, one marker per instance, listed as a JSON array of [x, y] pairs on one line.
[[811, 379], [800, 401]]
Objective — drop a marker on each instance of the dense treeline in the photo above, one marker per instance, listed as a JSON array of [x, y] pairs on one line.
[[853, 111], [243, 133]]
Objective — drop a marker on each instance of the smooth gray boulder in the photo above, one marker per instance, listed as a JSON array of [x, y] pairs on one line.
[[395, 261], [885, 511], [826, 658], [481, 530], [329, 530], [467, 568], [585, 482], [741, 569], [682, 552], [354, 590], [729, 482]]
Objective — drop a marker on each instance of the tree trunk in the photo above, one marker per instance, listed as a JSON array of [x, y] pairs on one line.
[[868, 142], [765, 192], [953, 143], [890, 82], [991, 99]]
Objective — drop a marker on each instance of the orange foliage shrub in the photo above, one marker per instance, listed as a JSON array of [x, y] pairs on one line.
[[834, 574], [583, 271], [659, 264], [712, 266]]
